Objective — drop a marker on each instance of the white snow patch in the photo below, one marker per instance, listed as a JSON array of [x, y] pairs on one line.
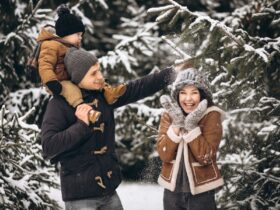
[[260, 51], [134, 196]]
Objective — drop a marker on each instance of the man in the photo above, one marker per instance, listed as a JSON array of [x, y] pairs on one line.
[[90, 171]]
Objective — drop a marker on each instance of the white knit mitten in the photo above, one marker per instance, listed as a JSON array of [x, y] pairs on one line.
[[174, 111], [191, 121]]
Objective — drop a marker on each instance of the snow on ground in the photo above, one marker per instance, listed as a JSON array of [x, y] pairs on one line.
[[140, 196], [134, 196]]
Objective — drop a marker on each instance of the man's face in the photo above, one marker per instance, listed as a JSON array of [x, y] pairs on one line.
[[93, 80]]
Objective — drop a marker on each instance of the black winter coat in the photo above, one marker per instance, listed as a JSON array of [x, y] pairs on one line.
[[89, 165]]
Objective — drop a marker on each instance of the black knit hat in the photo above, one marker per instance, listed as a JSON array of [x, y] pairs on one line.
[[78, 62], [67, 23]]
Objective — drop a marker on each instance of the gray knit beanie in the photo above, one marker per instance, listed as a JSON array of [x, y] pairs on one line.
[[78, 62], [190, 76]]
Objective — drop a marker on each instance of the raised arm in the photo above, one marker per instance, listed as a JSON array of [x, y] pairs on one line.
[[145, 86]]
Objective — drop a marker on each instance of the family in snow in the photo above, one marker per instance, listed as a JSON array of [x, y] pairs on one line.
[[78, 129]]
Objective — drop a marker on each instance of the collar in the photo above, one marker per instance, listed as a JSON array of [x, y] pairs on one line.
[[217, 109]]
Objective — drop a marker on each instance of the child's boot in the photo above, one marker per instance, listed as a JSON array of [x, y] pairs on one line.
[[112, 93], [93, 116]]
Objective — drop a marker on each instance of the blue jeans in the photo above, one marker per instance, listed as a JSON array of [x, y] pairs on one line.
[[187, 201], [110, 202]]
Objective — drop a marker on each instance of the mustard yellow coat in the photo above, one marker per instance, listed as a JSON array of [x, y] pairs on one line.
[[51, 63]]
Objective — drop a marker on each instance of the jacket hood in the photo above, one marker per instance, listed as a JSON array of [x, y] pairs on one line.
[[46, 33]]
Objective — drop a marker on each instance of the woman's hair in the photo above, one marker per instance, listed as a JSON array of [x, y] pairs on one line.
[[203, 95]]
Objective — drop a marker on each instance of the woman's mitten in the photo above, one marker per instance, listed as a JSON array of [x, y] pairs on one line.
[[191, 121], [174, 111]]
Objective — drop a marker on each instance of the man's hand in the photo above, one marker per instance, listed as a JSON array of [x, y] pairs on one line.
[[82, 112], [174, 111], [181, 66]]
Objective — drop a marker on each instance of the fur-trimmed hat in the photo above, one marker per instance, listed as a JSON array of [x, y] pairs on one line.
[[67, 23], [78, 62], [190, 76]]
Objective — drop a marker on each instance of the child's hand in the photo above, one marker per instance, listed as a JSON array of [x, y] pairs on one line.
[[82, 112], [191, 121]]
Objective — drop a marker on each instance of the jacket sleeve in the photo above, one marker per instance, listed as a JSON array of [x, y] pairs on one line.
[[204, 141], [145, 86], [47, 61], [57, 136], [167, 141]]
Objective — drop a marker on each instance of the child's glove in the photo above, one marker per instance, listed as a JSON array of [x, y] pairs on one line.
[[71, 93], [54, 86], [191, 121], [174, 111]]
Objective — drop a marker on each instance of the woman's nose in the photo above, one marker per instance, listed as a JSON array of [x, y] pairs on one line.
[[188, 97]]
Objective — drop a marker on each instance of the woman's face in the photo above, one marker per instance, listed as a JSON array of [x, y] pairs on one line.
[[189, 98]]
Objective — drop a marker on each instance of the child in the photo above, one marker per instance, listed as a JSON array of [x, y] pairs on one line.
[[190, 132], [67, 33]]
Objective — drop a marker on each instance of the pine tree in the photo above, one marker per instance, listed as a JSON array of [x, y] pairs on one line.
[[239, 51], [25, 179], [128, 47], [18, 23]]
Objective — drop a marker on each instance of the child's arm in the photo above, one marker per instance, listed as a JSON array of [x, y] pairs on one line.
[[47, 62]]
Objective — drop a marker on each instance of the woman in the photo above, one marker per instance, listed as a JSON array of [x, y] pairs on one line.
[[190, 132]]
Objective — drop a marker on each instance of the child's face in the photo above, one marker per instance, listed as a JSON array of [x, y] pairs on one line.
[[189, 98], [75, 38], [93, 80]]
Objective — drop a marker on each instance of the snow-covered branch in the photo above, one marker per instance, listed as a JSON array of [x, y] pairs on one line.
[[171, 13]]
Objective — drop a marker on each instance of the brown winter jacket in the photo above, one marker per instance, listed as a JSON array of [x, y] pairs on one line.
[[51, 64], [199, 148]]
